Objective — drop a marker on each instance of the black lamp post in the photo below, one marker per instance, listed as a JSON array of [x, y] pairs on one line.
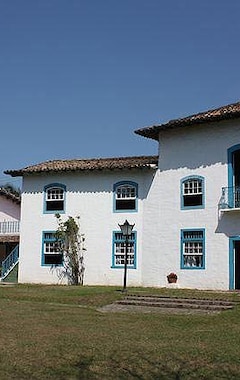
[[126, 230]]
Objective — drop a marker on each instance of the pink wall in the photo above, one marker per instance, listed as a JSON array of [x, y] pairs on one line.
[[9, 210]]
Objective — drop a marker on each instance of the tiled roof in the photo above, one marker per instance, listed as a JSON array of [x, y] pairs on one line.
[[230, 111], [87, 164], [15, 198]]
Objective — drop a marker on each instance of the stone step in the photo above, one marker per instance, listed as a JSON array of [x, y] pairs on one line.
[[181, 303], [170, 305]]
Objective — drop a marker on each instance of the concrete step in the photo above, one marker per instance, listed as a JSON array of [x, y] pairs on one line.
[[171, 302], [156, 298]]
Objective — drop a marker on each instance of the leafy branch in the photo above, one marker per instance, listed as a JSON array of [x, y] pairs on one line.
[[71, 246]]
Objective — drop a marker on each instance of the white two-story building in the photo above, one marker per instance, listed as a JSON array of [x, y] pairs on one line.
[[184, 204]]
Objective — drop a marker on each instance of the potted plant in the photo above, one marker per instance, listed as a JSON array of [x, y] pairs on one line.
[[172, 278]]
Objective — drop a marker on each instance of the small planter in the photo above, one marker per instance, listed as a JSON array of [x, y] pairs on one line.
[[172, 278]]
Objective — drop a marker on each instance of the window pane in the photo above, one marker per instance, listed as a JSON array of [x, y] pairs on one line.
[[193, 247], [55, 194], [192, 187], [54, 205], [125, 204], [193, 261], [192, 200], [195, 234], [53, 259], [125, 192], [51, 247]]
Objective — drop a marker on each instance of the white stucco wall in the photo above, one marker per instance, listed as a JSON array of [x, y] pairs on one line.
[[199, 150], [90, 196]]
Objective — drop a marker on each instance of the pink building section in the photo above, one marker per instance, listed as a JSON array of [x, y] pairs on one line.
[[9, 222]]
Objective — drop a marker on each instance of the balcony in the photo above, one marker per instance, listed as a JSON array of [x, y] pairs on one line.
[[230, 199], [9, 227]]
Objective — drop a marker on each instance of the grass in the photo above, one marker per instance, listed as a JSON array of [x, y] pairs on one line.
[[57, 332]]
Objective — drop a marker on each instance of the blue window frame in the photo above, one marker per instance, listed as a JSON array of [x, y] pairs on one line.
[[119, 250], [193, 249], [125, 196], [192, 192], [50, 249], [54, 198], [234, 176], [234, 246]]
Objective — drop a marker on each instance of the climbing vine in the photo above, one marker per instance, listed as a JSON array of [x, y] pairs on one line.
[[71, 246]]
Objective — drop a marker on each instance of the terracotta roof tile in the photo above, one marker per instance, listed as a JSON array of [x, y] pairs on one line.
[[230, 111], [15, 198], [87, 164]]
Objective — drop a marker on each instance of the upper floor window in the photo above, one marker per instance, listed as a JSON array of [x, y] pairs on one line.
[[119, 250], [54, 198], [51, 254], [193, 249], [125, 196], [192, 192]]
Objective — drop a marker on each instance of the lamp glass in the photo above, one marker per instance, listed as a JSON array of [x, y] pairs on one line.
[[126, 228]]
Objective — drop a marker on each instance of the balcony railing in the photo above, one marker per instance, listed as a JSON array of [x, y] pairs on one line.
[[9, 227], [230, 198]]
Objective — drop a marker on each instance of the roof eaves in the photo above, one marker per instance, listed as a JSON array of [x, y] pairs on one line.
[[119, 163], [230, 111]]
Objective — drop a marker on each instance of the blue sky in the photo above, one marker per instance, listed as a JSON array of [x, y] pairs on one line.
[[77, 77]]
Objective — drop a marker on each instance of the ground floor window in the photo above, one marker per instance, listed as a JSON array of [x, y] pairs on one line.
[[50, 252], [119, 250], [193, 249]]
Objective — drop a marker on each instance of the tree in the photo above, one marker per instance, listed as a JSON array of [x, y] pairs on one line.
[[12, 189], [71, 246]]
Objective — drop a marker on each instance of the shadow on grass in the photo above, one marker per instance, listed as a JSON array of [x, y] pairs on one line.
[[90, 369], [145, 369], [84, 368]]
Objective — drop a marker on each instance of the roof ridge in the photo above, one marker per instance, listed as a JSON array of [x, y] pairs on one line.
[[101, 158]]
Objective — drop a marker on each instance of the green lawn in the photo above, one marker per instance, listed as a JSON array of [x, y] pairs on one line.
[[56, 332]]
